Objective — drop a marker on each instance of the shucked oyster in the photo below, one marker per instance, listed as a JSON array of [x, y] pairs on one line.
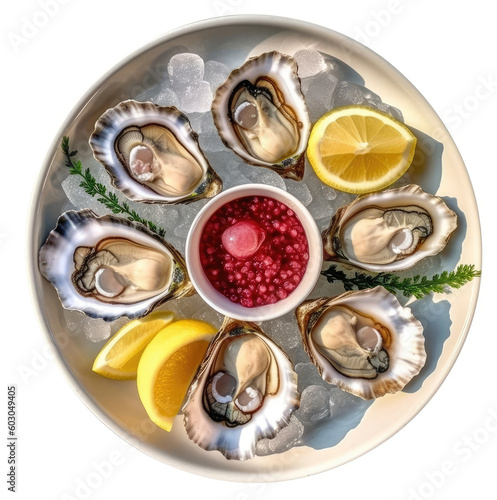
[[390, 230], [152, 154], [364, 341], [109, 267], [245, 390], [260, 114]]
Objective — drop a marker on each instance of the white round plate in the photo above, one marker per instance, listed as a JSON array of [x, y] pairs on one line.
[[438, 169]]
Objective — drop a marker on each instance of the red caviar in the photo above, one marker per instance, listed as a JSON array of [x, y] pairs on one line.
[[264, 255]]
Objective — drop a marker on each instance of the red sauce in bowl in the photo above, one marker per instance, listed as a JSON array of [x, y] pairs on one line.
[[254, 250]]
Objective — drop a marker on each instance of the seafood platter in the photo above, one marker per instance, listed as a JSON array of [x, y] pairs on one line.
[[233, 243]]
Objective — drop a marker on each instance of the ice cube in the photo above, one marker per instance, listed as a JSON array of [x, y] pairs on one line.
[[395, 113], [327, 192], [215, 73], [320, 208], [73, 321], [323, 204], [77, 195], [232, 176], [318, 91], [287, 437], [308, 375], [348, 93], [195, 97], [116, 325], [195, 120], [185, 69], [210, 141], [284, 332], [298, 355], [271, 178], [322, 195], [314, 404], [299, 190], [166, 97], [95, 330], [209, 138], [186, 215], [220, 161], [262, 175], [343, 199], [162, 215], [262, 448], [193, 307], [310, 62], [243, 239]]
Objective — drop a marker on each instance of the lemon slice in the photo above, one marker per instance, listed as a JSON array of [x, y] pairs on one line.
[[119, 357], [168, 366], [358, 149]]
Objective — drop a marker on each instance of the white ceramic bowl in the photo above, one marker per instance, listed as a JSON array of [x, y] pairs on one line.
[[216, 299]]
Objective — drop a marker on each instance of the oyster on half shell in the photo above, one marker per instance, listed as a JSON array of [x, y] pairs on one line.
[[108, 267], [390, 230], [244, 390], [260, 113], [364, 341], [152, 154]]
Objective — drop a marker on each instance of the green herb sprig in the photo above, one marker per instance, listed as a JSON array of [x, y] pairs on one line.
[[94, 188], [417, 286]]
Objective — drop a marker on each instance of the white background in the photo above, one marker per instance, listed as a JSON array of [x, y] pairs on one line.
[[445, 49]]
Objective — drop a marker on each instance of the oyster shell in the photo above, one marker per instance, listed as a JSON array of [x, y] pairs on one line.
[[152, 154], [390, 230], [244, 390], [260, 114], [363, 341], [108, 267]]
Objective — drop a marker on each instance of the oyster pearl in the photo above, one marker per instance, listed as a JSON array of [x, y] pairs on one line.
[[108, 267], [364, 341], [152, 154], [390, 230], [245, 390], [260, 114]]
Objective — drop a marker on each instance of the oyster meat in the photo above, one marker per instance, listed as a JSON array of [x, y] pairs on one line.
[[108, 267], [390, 230], [152, 154], [364, 341], [245, 390], [260, 113]]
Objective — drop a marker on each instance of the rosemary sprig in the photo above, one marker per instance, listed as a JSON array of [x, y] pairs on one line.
[[418, 286], [94, 188]]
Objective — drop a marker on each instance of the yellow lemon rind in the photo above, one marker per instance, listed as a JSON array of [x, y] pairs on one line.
[[167, 342], [103, 365]]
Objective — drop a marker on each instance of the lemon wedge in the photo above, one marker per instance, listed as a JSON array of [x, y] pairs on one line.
[[359, 149], [119, 357], [168, 366]]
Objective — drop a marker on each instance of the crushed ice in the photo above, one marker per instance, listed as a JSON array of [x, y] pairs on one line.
[[190, 86]]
